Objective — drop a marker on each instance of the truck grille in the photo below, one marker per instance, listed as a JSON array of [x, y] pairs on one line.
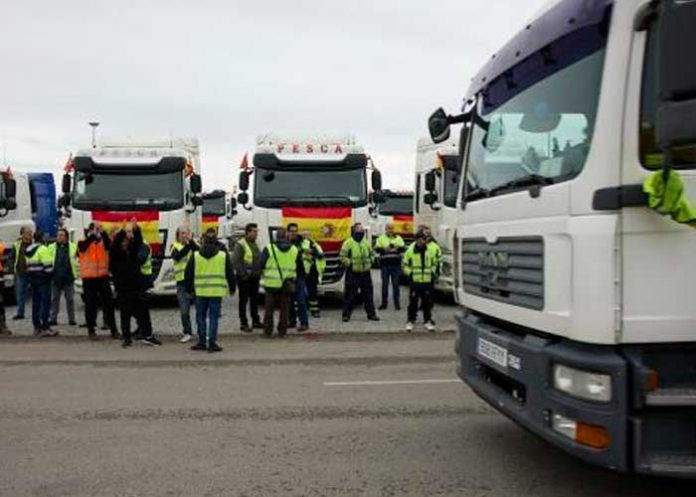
[[510, 271], [334, 269]]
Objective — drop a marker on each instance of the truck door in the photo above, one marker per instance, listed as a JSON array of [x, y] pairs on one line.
[[658, 263]]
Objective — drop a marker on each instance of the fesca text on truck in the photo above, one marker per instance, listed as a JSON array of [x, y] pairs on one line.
[[578, 318], [153, 182], [320, 183]]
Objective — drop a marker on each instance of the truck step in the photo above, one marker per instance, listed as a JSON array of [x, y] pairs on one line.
[[671, 463], [672, 396]]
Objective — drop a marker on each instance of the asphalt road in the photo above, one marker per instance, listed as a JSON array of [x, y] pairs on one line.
[[336, 415]]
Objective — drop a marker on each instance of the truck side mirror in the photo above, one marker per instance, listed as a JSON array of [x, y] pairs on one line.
[[430, 198], [244, 182], [196, 184], [430, 181], [10, 188], [439, 126], [66, 185], [197, 200], [243, 198], [378, 197], [376, 180], [676, 114]]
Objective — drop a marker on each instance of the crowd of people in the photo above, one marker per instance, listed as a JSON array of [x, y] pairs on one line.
[[289, 269]]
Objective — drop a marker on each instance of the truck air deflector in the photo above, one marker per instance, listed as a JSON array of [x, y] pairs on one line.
[[565, 34], [271, 161], [164, 165]]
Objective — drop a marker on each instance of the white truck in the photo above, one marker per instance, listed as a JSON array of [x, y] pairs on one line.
[[578, 318], [152, 181], [318, 182], [435, 204], [395, 207], [219, 209]]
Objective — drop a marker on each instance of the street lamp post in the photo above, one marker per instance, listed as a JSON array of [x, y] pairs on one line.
[[94, 133]]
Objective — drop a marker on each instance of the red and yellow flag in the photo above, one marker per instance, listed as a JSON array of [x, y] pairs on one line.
[[403, 224], [148, 221], [210, 221], [329, 226]]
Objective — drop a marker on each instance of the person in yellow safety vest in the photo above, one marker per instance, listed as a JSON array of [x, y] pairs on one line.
[[245, 260], [434, 247], [390, 248], [21, 278], [39, 269], [65, 272], [4, 330], [420, 266], [357, 256], [209, 277], [279, 270], [183, 248], [315, 265]]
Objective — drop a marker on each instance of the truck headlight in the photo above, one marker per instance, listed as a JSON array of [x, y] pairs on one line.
[[582, 384]]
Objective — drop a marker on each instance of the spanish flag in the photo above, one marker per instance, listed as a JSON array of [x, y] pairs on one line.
[[403, 224], [211, 222], [148, 221], [329, 226]]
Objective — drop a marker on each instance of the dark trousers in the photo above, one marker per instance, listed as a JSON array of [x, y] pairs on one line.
[[298, 305], [3, 317], [313, 292], [273, 300], [133, 306], [358, 282], [420, 296], [391, 272], [98, 290], [40, 302], [249, 296]]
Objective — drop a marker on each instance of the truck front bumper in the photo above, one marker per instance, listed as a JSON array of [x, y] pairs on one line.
[[642, 437]]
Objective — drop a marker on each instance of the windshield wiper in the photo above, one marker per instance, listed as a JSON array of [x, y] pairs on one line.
[[531, 180], [478, 193]]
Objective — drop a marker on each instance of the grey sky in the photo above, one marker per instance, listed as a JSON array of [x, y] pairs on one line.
[[225, 71]]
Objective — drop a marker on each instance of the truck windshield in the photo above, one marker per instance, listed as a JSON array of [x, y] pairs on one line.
[[541, 135], [125, 191], [214, 206], [277, 188], [394, 206]]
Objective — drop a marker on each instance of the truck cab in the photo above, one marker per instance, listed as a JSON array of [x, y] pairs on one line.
[[395, 207], [218, 212], [153, 182], [318, 182], [577, 317], [435, 205]]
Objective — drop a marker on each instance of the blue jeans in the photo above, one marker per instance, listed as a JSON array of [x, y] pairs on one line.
[[393, 273], [21, 286], [185, 301], [207, 315], [40, 303], [298, 306]]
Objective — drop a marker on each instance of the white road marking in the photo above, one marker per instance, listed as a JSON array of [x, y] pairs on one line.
[[387, 382]]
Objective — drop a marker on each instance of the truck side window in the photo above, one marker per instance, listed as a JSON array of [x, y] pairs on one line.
[[650, 155]]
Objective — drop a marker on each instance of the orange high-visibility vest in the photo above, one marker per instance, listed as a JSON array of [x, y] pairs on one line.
[[2, 254], [94, 262]]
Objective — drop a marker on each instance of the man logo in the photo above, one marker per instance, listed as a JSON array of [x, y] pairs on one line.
[[491, 259]]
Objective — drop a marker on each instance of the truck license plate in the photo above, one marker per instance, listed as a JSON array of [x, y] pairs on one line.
[[492, 352]]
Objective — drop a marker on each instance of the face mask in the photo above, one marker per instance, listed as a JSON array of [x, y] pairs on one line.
[[358, 236]]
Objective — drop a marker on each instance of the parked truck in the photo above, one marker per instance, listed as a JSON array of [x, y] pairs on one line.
[[153, 182], [578, 318], [318, 182], [435, 204], [395, 207], [218, 213]]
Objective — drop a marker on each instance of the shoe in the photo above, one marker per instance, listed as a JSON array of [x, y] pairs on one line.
[[199, 346], [151, 340], [346, 319], [303, 328], [382, 307], [397, 307], [127, 342], [245, 328], [292, 326], [214, 348], [17, 317], [92, 336], [409, 326], [258, 325], [186, 338], [73, 323], [373, 318], [49, 333], [37, 332], [53, 323], [430, 326], [115, 335]]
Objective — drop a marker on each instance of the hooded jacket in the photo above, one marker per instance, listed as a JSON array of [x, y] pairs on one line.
[[124, 266], [209, 251]]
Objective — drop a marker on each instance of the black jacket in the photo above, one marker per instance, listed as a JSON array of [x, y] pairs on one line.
[[209, 251], [125, 265]]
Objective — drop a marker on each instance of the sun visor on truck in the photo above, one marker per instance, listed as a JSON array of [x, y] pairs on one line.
[[351, 161], [112, 164]]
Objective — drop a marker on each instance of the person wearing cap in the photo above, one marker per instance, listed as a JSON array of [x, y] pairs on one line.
[[357, 256], [420, 267], [40, 269]]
